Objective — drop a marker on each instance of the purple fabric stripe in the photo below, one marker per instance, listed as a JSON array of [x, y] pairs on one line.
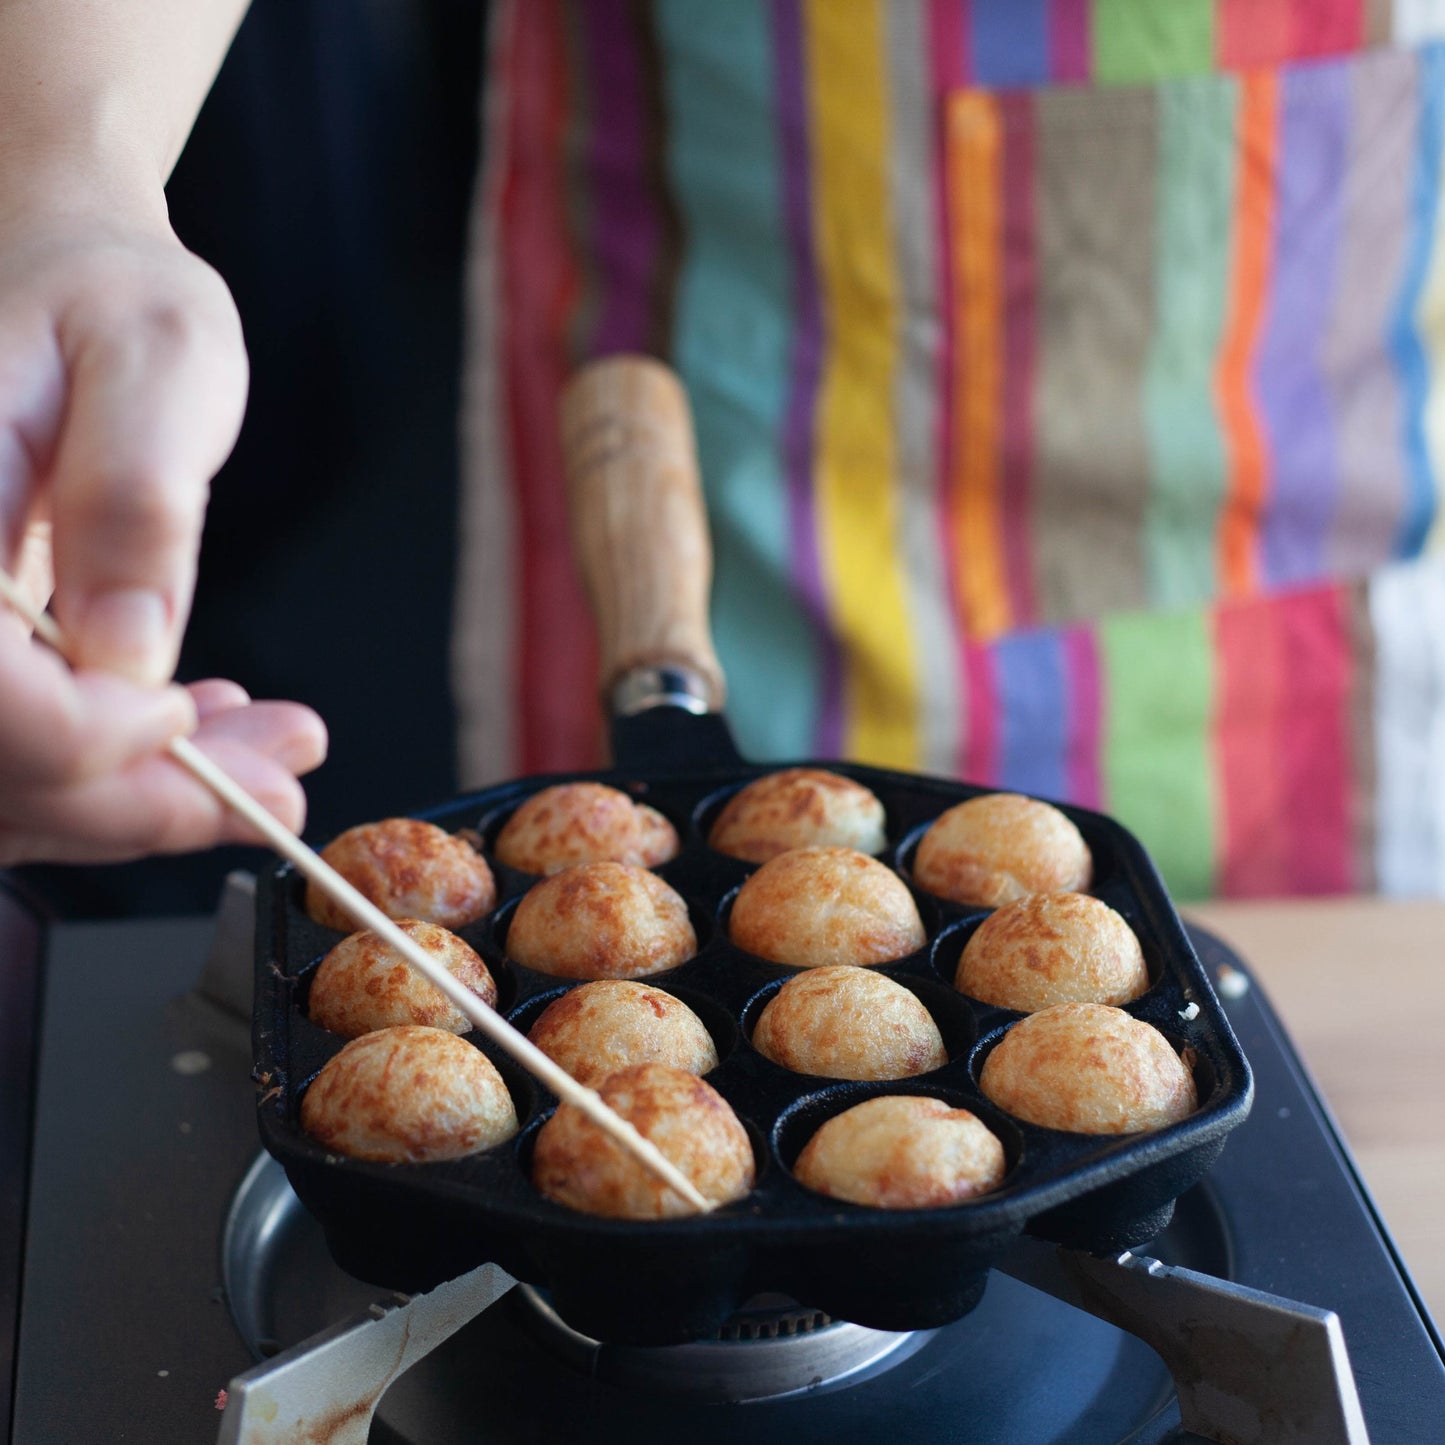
[[1298, 412], [626, 229], [1069, 40], [1010, 42], [1033, 716], [1359, 362], [806, 367]]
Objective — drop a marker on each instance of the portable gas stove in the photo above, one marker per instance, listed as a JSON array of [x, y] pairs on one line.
[[153, 1258]]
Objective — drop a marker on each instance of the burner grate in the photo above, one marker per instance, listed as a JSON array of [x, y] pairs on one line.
[[122, 1336], [779, 1322]]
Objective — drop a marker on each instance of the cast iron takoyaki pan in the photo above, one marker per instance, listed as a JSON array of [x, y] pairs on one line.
[[409, 1227]]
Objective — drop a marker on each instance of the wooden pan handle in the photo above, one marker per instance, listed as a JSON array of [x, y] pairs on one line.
[[639, 528]]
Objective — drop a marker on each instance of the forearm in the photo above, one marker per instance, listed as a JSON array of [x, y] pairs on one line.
[[97, 96]]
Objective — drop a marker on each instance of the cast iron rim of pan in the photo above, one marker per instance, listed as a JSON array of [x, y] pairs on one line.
[[409, 1227]]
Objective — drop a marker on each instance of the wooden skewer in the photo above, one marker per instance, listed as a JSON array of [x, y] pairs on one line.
[[366, 914]]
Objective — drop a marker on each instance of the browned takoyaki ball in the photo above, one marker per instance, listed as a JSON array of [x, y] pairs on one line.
[[364, 984], [409, 869], [408, 1095], [845, 1022], [1001, 846], [578, 1164], [584, 823], [1052, 948], [902, 1152], [1089, 1069], [601, 920], [815, 906], [798, 808], [598, 1028]]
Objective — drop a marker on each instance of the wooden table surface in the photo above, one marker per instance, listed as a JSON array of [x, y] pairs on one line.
[[1360, 986]]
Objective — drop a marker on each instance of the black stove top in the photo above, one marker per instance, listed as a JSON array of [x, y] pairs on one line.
[[143, 1129]]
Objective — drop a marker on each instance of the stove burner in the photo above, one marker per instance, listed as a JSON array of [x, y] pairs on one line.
[[283, 1288], [770, 1349], [130, 1342]]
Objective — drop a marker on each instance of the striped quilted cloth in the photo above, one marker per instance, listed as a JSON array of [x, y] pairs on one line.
[[1067, 384]]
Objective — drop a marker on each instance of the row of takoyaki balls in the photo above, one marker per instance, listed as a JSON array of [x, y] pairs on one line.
[[820, 902]]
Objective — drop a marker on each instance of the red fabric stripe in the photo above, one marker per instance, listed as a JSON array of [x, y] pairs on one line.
[[1326, 27], [979, 763], [1020, 350], [1085, 717], [1314, 741], [554, 646], [949, 41], [1069, 47], [1253, 32], [1251, 669]]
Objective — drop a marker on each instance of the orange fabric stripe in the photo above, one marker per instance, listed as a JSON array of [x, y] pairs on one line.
[[974, 150], [1244, 439]]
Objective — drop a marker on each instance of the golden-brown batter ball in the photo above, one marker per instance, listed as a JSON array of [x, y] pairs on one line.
[[815, 906], [578, 1164], [902, 1152], [1052, 948], [844, 1022], [408, 1095], [1001, 846], [601, 920], [409, 869], [798, 808], [572, 823], [598, 1028], [1089, 1069], [364, 984]]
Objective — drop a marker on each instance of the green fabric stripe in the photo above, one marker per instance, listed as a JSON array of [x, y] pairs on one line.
[[1186, 448], [1145, 40], [1158, 688], [731, 339]]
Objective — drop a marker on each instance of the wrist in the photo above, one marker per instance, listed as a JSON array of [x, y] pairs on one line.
[[91, 165]]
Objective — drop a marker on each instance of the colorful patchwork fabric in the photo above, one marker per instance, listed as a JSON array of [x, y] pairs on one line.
[[1067, 386]]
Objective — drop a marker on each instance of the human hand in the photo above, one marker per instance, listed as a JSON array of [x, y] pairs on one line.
[[122, 383], [93, 786]]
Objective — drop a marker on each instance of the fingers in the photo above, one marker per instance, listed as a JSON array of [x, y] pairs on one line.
[[155, 806], [59, 727], [291, 735], [215, 695], [156, 395]]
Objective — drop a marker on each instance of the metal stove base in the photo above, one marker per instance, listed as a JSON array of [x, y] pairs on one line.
[[144, 1129]]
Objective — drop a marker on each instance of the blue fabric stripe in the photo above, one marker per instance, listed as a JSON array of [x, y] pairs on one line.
[[1408, 347], [733, 325], [1031, 685], [1010, 42]]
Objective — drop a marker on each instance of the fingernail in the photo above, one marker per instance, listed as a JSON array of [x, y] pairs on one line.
[[127, 631]]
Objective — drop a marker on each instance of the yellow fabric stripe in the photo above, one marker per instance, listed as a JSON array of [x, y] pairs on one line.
[[857, 508], [975, 144]]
